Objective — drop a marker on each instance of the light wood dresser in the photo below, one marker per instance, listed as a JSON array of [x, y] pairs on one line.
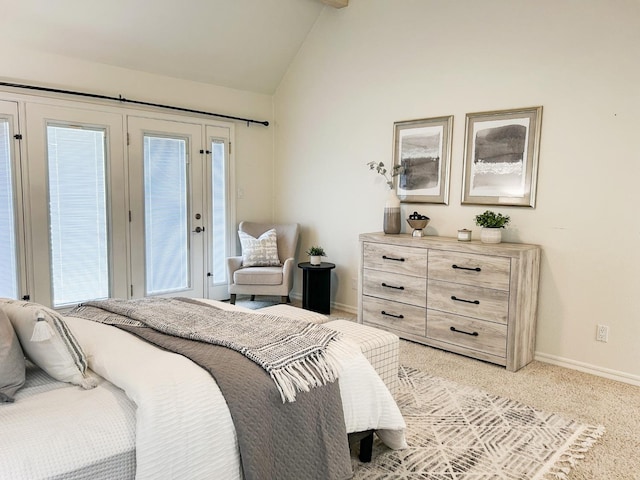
[[471, 298]]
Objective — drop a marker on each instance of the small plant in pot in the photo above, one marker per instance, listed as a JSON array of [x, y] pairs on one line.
[[315, 255], [491, 224]]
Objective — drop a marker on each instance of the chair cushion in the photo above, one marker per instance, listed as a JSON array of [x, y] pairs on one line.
[[258, 276], [261, 251]]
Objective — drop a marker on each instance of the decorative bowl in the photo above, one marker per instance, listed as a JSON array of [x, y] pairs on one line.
[[418, 224]]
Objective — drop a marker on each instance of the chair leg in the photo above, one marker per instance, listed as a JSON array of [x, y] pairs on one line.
[[232, 300], [253, 297], [284, 299]]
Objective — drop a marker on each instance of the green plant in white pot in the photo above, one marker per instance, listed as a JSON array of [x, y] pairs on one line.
[[315, 255], [492, 224]]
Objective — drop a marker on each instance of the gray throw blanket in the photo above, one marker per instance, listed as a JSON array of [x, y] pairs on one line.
[[305, 439], [297, 355]]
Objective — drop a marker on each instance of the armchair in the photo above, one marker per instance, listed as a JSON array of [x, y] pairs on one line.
[[265, 280]]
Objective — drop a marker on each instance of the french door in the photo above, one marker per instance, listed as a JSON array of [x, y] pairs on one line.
[[12, 265], [102, 203], [179, 177], [77, 204]]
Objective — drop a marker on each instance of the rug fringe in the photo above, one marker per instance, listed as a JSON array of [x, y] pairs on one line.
[[585, 440]]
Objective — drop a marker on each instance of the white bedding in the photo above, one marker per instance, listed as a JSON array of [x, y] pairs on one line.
[[183, 425], [53, 428]]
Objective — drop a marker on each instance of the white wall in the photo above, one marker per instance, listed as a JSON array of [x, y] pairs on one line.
[[253, 148], [380, 61]]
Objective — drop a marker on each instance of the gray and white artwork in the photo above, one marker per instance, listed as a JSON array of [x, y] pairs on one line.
[[499, 158], [420, 156]]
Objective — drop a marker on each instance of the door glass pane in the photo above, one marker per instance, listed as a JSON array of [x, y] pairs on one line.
[[166, 214], [77, 213], [219, 212], [8, 254]]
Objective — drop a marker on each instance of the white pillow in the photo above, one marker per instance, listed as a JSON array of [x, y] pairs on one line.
[[12, 366], [48, 342], [261, 251]]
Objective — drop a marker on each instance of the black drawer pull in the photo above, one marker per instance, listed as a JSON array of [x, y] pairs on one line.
[[391, 315], [475, 302], [384, 257], [473, 334], [392, 286], [477, 269]]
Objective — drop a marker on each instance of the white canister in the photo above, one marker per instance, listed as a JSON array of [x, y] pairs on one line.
[[464, 235]]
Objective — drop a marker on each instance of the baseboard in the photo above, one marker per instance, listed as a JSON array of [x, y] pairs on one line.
[[338, 306], [588, 368], [345, 308]]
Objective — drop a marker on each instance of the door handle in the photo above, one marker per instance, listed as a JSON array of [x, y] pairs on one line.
[[199, 229]]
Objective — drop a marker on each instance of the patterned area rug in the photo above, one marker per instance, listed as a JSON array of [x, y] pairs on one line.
[[457, 432]]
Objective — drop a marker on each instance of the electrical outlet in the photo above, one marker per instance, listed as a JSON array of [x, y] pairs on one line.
[[602, 333], [354, 283]]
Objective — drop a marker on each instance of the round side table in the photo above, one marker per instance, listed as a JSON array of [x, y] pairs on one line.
[[316, 286]]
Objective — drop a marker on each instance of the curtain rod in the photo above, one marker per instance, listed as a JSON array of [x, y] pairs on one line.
[[120, 98]]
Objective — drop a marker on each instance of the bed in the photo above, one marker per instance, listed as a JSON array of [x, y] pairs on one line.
[[148, 413]]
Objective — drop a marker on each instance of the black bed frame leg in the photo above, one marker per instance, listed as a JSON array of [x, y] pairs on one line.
[[366, 448]]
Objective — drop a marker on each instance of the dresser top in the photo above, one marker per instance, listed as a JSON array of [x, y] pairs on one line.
[[449, 243]]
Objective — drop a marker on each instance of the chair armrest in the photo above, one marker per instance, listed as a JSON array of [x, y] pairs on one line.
[[287, 271], [233, 264]]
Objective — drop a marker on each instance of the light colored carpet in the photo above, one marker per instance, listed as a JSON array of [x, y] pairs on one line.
[[464, 433], [569, 393]]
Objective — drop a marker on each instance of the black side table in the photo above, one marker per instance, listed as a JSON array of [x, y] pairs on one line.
[[316, 286]]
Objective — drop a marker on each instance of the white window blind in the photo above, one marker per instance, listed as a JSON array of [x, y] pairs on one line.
[[8, 254], [77, 214], [219, 212], [166, 214]]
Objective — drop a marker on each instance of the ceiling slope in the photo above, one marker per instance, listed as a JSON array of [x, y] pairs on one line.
[[241, 44]]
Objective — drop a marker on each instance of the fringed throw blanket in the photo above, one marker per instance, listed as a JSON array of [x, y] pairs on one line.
[[305, 439], [296, 355]]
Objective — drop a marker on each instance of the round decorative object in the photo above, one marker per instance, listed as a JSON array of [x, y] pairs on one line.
[[391, 222], [491, 235], [315, 259]]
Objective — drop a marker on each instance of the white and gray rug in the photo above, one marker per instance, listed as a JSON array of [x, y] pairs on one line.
[[457, 432]]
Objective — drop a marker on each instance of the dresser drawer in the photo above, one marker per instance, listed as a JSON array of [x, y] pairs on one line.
[[478, 302], [396, 287], [470, 268], [487, 337], [397, 316], [392, 258]]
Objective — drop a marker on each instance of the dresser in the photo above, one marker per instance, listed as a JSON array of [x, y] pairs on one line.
[[470, 298]]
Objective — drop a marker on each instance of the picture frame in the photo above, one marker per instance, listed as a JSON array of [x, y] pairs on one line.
[[501, 153], [422, 148]]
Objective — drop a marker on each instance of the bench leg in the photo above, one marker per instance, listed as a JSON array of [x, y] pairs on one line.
[[366, 448], [232, 300]]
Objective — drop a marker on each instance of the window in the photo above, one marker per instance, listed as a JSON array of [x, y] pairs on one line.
[[8, 253], [166, 214], [77, 213], [219, 211]]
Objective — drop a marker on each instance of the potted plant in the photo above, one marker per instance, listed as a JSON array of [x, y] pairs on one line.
[[315, 255], [491, 224]]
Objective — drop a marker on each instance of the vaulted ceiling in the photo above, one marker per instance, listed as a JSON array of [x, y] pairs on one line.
[[242, 44]]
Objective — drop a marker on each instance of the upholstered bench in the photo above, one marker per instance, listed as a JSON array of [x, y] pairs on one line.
[[289, 311], [381, 348]]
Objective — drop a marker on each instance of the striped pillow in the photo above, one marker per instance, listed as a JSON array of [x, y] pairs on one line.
[[47, 341]]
